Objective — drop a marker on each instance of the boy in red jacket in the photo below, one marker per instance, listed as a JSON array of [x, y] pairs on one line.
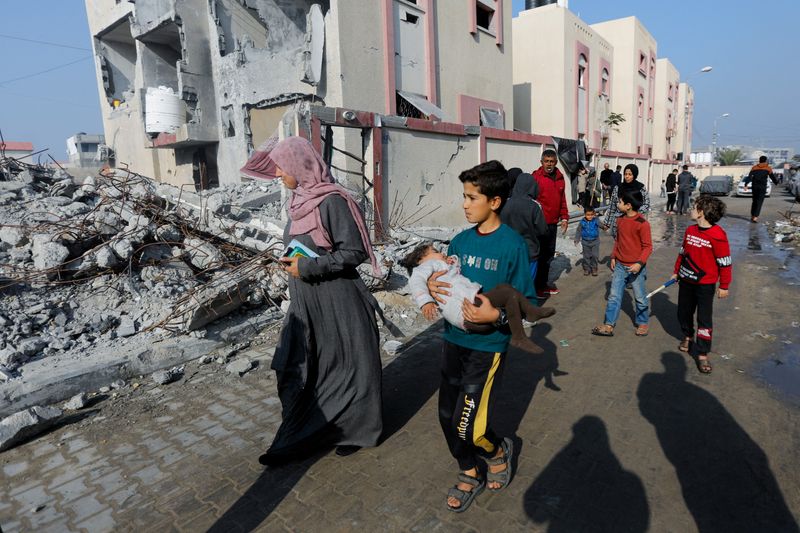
[[632, 248], [704, 259]]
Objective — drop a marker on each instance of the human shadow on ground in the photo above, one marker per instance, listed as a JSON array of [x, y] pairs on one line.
[[408, 382], [558, 265], [521, 376], [585, 488], [724, 475]]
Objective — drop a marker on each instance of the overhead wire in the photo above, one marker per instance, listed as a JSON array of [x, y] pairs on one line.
[[51, 69], [48, 43]]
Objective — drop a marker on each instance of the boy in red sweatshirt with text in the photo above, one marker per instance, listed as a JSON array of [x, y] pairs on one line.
[[704, 260]]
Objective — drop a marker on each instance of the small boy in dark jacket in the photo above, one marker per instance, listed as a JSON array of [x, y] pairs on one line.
[[588, 233], [524, 215]]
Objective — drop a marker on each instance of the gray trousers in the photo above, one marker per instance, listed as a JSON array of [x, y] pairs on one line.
[[591, 253]]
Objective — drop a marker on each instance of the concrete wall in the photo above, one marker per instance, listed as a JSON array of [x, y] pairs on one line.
[[683, 137], [665, 121], [473, 64], [547, 43], [629, 39], [540, 99]]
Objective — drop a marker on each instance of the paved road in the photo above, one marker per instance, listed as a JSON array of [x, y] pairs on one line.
[[617, 434]]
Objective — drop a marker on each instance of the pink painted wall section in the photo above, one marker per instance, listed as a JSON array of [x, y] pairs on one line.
[[498, 14], [472, 5], [581, 48], [389, 82], [432, 81], [469, 109]]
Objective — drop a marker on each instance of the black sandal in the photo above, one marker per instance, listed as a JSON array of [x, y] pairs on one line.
[[503, 477], [702, 364], [465, 497]]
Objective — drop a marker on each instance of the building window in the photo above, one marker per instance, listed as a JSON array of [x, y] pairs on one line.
[[642, 64], [484, 15], [604, 82], [582, 64], [640, 107]]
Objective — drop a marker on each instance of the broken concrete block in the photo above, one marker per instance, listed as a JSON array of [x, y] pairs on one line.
[[12, 236], [391, 347], [240, 367], [127, 327], [202, 254], [162, 377], [118, 384], [78, 401], [5, 375], [123, 248], [211, 302], [47, 255], [25, 424], [106, 258], [169, 233]]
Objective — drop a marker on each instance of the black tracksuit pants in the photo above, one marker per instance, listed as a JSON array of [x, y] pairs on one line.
[[470, 379], [694, 297], [759, 193], [547, 251]]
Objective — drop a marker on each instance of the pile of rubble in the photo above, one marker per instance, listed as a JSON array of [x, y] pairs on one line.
[[95, 262], [787, 230]]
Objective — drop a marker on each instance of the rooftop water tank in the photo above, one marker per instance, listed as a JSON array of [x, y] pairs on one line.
[[164, 111]]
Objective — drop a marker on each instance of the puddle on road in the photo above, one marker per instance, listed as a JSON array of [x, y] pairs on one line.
[[781, 370]]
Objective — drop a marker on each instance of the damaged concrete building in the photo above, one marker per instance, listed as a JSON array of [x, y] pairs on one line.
[[190, 87]]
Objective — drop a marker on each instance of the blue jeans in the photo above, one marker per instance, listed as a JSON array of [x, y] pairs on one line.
[[619, 279]]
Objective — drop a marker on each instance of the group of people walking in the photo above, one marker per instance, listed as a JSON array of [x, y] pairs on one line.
[[492, 276]]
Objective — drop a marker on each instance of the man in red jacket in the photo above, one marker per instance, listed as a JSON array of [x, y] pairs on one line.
[[554, 205]]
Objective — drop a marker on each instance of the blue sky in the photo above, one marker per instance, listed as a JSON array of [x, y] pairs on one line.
[[755, 78]]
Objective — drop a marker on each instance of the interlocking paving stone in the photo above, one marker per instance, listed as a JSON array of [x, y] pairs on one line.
[[183, 457]]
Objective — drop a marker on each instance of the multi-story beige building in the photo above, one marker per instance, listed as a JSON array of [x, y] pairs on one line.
[[189, 87], [665, 118], [683, 137], [633, 83], [563, 76]]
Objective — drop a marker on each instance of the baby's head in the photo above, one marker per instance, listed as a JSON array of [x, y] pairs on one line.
[[421, 253]]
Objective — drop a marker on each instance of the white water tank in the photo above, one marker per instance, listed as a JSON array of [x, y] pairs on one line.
[[165, 112]]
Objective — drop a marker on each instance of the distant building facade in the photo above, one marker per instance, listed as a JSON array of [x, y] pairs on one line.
[[87, 151], [563, 76], [16, 149], [189, 87]]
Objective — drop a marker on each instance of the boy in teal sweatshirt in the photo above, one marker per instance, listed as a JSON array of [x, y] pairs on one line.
[[491, 254]]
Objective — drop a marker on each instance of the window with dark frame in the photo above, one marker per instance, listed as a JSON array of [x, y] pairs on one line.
[[483, 15], [582, 64], [604, 82], [643, 64]]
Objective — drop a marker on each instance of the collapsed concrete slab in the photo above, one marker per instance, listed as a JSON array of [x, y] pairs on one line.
[[26, 424]]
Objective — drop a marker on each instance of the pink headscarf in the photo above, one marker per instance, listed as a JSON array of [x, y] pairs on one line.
[[298, 158], [260, 165]]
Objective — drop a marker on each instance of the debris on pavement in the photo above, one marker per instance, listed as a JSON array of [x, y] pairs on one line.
[[77, 402], [240, 367], [163, 377], [25, 424]]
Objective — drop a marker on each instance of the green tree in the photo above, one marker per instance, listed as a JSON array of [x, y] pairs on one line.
[[612, 122], [729, 156]]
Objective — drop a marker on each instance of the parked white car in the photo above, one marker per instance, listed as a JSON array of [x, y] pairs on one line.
[[744, 189]]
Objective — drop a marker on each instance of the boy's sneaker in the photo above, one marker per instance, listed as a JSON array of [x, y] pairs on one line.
[[542, 295], [552, 290]]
